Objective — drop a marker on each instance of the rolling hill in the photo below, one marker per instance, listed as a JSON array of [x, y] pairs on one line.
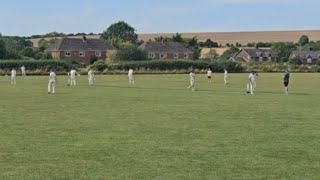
[[233, 37]]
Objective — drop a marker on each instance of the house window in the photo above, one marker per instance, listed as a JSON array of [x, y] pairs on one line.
[[260, 58], [163, 55], [82, 53], [176, 55], [186, 55], [98, 53], [151, 55], [68, 53]]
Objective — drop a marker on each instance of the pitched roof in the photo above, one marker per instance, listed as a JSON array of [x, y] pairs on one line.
[[306, 54], [78, 44], [168, 47], [260, 53], [239, 59]]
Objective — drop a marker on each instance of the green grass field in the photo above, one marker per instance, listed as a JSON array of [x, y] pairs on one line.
[[160, 130]]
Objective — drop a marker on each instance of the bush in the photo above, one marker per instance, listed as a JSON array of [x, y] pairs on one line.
[[99, 65], [295, 61], [128, 52], [93, 59], [45, 65], [163, 65]]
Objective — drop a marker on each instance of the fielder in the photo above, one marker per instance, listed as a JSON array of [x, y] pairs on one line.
[[52, 82], [252, 82], [73, 74], [225, 79], [192, 76], [286, 78], [209, 74], [130, 76], [90, 77], [13, 76], [23, 70]]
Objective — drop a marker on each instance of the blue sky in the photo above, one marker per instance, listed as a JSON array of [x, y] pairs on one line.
[[21, 17]]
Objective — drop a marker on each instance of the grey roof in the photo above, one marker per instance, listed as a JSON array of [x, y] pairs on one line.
[[306, 54], [260, 53], [239, 59], [77, 44], [168, 47]]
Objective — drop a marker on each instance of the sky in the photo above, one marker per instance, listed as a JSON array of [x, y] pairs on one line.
[[33, 17]]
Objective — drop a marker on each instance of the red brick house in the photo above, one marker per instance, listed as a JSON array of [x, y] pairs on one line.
[[80, 49], [255, 55], [306, 57], [166, 50]]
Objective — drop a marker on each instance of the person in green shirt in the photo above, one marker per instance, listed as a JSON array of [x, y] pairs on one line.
[[286, 77]]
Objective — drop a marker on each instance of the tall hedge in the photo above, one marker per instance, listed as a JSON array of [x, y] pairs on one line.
[[36, 64], [216, 66]]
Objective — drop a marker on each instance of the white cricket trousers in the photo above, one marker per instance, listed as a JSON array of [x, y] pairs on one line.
[[191, 83], [13, 80], [90, 80], [73, 81], [51, 86], [131, 80], [251, 85], [225, 79]]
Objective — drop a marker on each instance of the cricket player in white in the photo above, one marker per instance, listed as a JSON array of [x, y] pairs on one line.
[[225, 77], [23, 71], [130, 76], [192, 76], [90, 77], [13, 76], [52, 82], [73, 74], [209, 74], [252, 80]]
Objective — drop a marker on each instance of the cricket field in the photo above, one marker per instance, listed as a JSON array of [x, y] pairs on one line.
[[158, 129]]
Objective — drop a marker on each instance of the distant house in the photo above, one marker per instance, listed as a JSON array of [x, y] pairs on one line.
[[166, 50], [255, 55], [306, 57], [80, 49]]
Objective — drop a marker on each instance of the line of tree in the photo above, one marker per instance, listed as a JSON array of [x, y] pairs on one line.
[[59, 34], [14, 47]]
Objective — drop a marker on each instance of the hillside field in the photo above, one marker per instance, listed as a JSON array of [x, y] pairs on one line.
[[231, 37], [158, 129]]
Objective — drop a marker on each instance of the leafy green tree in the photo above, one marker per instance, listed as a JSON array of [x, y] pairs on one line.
[[251, 45], [28, 52], [315, 46], [162, 39], [120, 30], [283, 49], [209, 44], [177, 38], [303, 40], [43, 55], [238, 44], [193, 42], [129, 52], [2, 49], [46, 43], [229, 53], [54, 34]]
